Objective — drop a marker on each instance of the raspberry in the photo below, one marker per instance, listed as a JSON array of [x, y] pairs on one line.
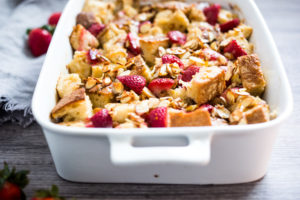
[[134, 82]]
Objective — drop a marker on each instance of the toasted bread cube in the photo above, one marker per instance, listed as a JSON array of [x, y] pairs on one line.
[[225, 16], [196, 14], [103, 10], [199, 117], [117, 54], [168, 20], [258, 114], [150, 44], [101, 98], [81, 39], [74, 107], [67, 83], [111, 35], [206, 84], [80, 65], [251, 74], [119, 112], [140, 68]]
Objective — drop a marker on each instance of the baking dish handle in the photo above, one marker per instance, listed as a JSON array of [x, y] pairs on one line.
[[196, 152]]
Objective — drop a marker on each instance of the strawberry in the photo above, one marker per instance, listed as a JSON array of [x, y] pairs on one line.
[[133, 43], [212, 13], [134, 82], [157, 117], [96, 28], [188, 74], [207, 107], [52, 194], [229, 25], [54, 18], [93, 56], [159, 85], [168, 59], [39, 41], [12, 183], [235, 49], [102, 119], [177, 37]]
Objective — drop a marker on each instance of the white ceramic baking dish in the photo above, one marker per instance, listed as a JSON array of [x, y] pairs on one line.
[[190, 155]]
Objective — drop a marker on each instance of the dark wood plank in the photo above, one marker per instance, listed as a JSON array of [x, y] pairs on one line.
[[27, 148]]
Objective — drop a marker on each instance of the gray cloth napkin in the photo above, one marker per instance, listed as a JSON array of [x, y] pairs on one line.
[[19, 70]]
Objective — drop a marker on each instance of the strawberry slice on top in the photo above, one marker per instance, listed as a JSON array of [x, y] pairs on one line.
[[134, 82], [211, 13], [229, 25], [169, 59], [235, 49], [158, 117], [188, 74], [160, 85]]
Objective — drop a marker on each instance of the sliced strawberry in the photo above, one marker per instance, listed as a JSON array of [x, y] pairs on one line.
[[158, 117], [235, 49], [54, 18], [102, 119], [177, 37], [207, 107], [212, 13], [168, 59], [39, 41], [159, 85], [134, 82], [133, 43], [229, 25], [188, 74], [96, 28]]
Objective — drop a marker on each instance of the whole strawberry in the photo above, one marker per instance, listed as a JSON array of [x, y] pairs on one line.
[[54, 18], [134, 82], [188, 74], [102, 119], [39, 41], [12, 183], [160, 85], [52, 194], [158, 117]]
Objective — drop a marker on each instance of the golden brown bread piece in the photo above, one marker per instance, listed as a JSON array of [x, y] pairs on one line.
[[251, 74], [150, 44], [75, 106], [80, 65], [67, 83], [198, 117], [206, 84], [258, 114]]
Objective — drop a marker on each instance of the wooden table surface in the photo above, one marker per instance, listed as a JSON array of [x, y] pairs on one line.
[[27, 148]]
